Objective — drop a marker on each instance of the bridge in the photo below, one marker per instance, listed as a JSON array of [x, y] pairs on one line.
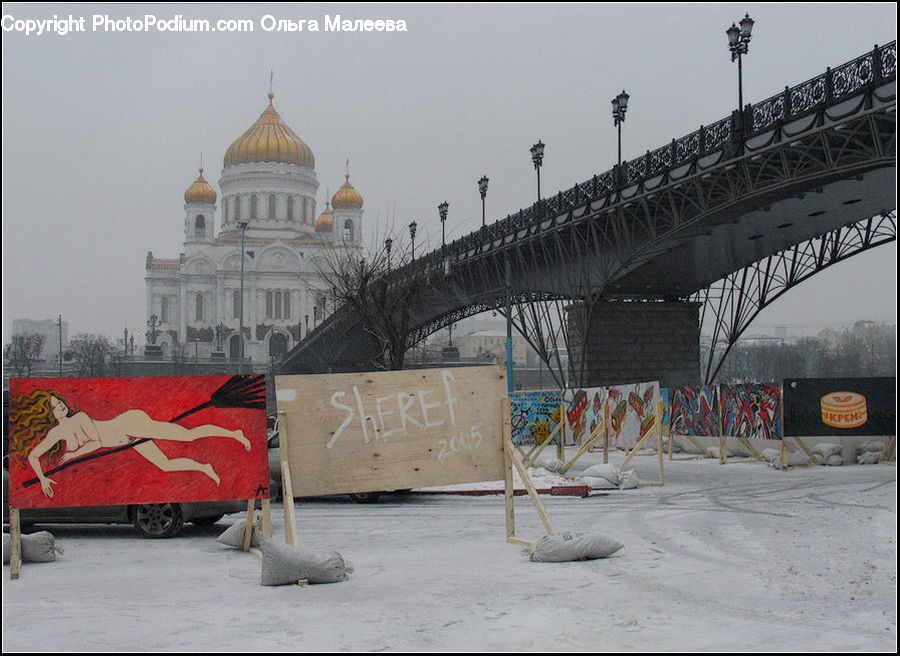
[[624, 267]]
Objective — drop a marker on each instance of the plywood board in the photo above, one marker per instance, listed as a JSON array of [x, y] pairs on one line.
[[366, 432]]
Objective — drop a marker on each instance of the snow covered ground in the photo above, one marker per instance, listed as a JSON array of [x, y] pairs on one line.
[[723, 557]]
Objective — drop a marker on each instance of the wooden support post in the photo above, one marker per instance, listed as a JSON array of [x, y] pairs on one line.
[[529, 486], [659, 442], [812, 456], [508, 491], [248, 526], [594, 437], [888, 451], [538, 448], [266, 517], [746, 443], [15, 544], [561, 445], [287, 490], [783, 453]]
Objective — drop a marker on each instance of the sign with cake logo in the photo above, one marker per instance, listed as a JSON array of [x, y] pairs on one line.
[[844, 409], [840, 406]]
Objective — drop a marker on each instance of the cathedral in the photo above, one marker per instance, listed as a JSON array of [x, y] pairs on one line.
[[199, 303]]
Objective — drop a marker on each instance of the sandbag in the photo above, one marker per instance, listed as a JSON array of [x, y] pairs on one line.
[[234, 534], [610, 472], [871, 445], [285, 564], [598, 483], [37, 547], [629, 480], [567, 546], [834, 460], [868, 458], [826, 449]]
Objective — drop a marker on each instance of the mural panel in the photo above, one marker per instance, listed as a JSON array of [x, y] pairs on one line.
[[535, 416], [694, 411], [751, 410], [584, 411], [631, 412], [117, 441]]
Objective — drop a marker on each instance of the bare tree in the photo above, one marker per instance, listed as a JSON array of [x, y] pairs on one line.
[[91, 353], [23, 351], [383, 297]]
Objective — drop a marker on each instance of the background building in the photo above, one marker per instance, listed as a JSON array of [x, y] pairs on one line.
[[267, 197]]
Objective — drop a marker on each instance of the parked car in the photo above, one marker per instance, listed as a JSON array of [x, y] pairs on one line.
[[151, 520]]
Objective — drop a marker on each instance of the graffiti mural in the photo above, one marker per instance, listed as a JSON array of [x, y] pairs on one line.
[[118, 441], [751, 410], [631, 413], [584, 412], [694, 411], [535, 416]]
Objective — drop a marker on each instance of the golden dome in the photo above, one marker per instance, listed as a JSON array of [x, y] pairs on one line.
[[200, 192], [324, 222], [347, 198], [270, 140]]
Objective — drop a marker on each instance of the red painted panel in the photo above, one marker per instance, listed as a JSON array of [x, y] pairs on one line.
[[137, 440]]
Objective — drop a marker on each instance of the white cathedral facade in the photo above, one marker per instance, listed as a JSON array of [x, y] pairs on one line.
[[267, 210]]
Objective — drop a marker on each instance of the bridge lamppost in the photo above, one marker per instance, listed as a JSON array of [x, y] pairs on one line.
[[388, 243], [243, 226], [537, 156], [412, 239], [442, 210], [482, 189], [619, 107], [738, 44]]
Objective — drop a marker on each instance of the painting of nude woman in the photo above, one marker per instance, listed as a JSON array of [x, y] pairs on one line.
[[110, 441]]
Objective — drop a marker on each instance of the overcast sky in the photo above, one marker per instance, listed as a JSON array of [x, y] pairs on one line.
[[103, 132]]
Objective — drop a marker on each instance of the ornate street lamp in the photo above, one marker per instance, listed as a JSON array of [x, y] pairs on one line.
[[482, 189], [738, 44], [412, 238], [619, 107], [388, 243], [442, 210], [537, 156], [243, 226]]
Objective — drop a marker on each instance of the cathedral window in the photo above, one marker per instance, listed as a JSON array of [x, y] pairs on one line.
[[253, 200], [268, 305], [277, 305], [348, 230], [290, 208], [287, 305], [236, 304], [164, 309], [237, 208], [198, 307], [272, 216], [200, 226]]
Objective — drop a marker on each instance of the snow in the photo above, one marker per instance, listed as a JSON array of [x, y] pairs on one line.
[[736, 557]]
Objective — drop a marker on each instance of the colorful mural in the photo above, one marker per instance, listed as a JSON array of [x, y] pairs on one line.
[[631, 413], [694, 411], [584, 412], [535, 416], [751, 410], [117, 441]]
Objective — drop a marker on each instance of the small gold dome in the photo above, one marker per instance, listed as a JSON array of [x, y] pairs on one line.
[[324, 222], [200, 192], [270, 140], [347, 198]]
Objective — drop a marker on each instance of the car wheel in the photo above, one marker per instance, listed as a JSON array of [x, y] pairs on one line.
[[366, 497], [206, 521], [158, 520]]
